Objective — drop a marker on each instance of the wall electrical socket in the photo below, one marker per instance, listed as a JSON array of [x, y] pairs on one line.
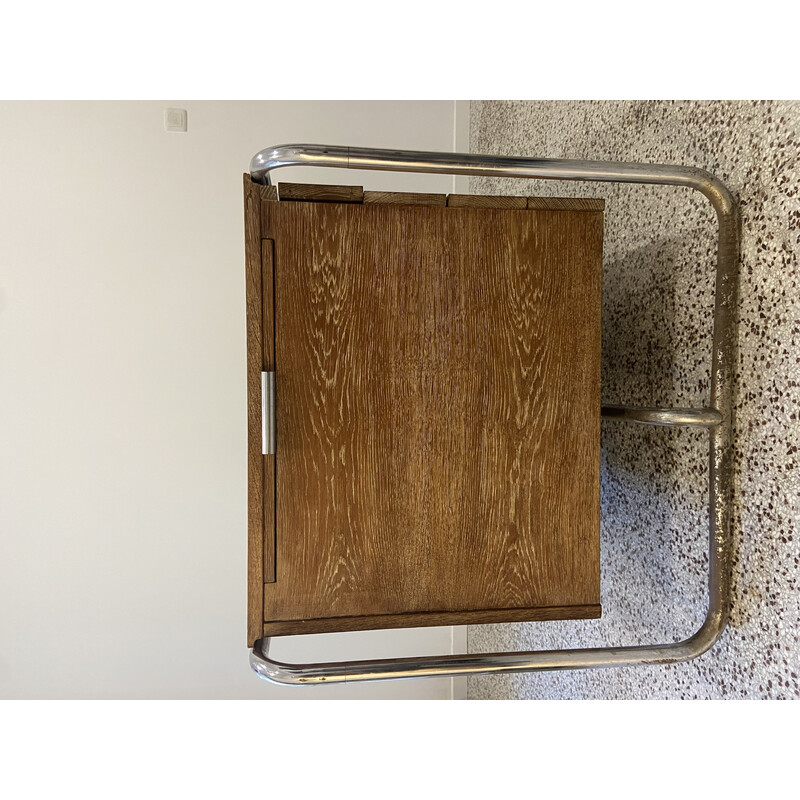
[[175, 119]]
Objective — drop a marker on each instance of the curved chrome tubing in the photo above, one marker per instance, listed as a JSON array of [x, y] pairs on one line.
[[676, 417], [716, 419]]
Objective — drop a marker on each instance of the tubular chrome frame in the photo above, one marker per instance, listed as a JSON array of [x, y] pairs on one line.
[[716, 419]]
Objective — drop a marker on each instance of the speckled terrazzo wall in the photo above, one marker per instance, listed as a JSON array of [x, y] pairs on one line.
[[657, 299]]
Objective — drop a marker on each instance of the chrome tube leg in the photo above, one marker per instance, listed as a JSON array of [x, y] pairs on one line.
[[717, 419]]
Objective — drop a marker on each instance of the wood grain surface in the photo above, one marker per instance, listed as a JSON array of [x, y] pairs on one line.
[[438, 406], [486, 201], [406, 198], [269, 193], [427, 620], [255, 467], [565, 203], [320, 193]]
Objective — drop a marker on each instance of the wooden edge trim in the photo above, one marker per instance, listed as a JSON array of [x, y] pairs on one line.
[[566, 204], [315, 192], [531, 203], [269, 193], [255, 485], [485, 201], [429, 619], [405, 198]]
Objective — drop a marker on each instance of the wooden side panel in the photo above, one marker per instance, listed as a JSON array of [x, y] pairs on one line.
[[437, 376], [259, 281], [255, 477]]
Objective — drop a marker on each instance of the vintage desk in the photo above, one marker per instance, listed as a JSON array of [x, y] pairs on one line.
[[423, 388]]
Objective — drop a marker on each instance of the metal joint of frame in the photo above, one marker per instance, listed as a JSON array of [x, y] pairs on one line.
[[716, 418]]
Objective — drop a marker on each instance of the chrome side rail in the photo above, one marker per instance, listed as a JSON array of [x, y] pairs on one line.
[[716, 418]]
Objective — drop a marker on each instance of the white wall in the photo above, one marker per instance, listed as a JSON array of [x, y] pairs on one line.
[[122, 393]]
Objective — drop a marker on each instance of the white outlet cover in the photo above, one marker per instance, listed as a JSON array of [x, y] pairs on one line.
[[175, 119]]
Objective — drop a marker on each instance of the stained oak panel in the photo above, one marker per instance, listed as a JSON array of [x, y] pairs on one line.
[[438, 407], [255, 463]]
